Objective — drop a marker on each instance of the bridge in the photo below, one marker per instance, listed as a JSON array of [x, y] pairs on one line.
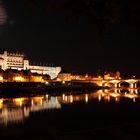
[[116, 83], [133, 83]]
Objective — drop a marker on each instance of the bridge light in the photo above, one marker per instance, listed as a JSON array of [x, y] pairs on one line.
[[19, 78], [86, 98], [99, 98]]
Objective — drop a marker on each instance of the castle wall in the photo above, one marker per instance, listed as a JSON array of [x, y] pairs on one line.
[[18, 61]]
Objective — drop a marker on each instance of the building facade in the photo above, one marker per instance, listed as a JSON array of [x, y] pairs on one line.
[[19, 62]]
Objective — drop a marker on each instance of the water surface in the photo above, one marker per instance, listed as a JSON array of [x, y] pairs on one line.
[[113, 114]]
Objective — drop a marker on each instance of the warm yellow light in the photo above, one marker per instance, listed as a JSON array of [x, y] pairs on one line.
[[117, 99], [58, 79], [115, 95], [86, 98], [1, 101], [32, 102], [19, 78], [63, 82], [63, 96], [131, 96], [71, 99], [19, 101], [37, 99], [86, 76], [37, 79], [99, 97], [66, 98], [46, 83], [1, 78]]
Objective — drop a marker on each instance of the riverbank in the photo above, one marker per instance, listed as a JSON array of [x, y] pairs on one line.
[[24, 88]]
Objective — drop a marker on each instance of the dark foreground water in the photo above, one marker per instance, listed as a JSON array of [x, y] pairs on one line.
[[72, 116]]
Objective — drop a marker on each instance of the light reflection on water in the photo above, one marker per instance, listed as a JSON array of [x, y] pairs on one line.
[[18, 109], [15, 110]]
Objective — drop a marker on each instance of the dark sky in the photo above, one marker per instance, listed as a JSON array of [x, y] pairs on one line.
[[79, 35]]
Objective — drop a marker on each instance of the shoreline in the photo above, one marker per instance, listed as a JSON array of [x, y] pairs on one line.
[[22, 88]]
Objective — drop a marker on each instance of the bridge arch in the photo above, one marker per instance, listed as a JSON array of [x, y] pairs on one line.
[[127, 83], [108, 84], [123, 84], [137, 84]]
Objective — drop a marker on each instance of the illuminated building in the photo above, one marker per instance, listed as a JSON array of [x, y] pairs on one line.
[[112, 76], [64, 77], [19, 62]]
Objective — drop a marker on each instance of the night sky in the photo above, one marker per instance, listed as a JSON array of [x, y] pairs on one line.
[[79, 35]]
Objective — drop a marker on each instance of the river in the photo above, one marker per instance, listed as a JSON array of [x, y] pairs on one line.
[[110, 114]]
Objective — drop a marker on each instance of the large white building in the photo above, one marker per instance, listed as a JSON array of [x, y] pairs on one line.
[[19, 62]]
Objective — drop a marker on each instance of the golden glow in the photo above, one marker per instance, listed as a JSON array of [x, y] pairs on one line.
[[1, 103], [115, 95], [116, 85], [115, 81], [66, 98], [106, 84], [136, 91], [63, 82], [47, 96], [41, 101], [107, 98], [37, 79], [86, 98], [131, 80], [18, 108], [58, 79], [86, 76], [99, 98], [46, 83], [131, 85], [1, 78], [106, 91], [19, 101], [63, 96], [19, 79], [37, 99], [32, 102], [103, 94], [71, 99], [100, 83], [131, 96], [117, 99]]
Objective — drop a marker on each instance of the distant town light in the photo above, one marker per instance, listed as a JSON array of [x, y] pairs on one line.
[[63, 82], [1, 101], [1, 78], [19, 101], [46, 83], [58, 79], [19, 79]]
